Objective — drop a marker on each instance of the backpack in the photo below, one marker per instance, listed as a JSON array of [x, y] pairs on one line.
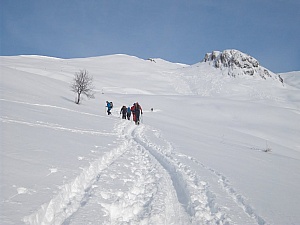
[[124, 109], [111, 105], [128, 110], [132, 108], [138, 107]]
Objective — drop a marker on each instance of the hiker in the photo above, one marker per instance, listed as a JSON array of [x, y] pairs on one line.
[[109, 106], [123, 111], [128, 113], [137, 110], [132, 109]]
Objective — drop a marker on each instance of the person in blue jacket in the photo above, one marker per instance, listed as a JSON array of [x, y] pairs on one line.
[[128, 113], [109, 106]]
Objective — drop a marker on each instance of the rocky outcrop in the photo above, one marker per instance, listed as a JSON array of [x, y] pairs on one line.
[[235, 63]]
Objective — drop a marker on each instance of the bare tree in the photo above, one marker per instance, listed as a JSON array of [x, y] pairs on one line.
[[83, 84]]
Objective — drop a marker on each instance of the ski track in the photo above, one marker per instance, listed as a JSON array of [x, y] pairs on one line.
[[192, 192], [146, 197], [238, 198], [50, 106], [55, 127], [157, 188]]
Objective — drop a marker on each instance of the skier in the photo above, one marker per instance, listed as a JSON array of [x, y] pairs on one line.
[[137, 111], [123, 111], [109, 106], [128, 113]]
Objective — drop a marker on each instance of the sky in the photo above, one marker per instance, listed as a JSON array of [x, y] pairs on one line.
[[175, 30]]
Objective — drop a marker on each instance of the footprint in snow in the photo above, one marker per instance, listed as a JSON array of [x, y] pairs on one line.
[[20, 191], [52, 170]]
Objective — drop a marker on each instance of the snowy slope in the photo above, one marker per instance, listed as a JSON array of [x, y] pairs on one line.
[[198, 158]]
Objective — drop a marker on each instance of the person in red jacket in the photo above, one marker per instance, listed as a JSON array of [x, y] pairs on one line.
[[133, 111], [136, 110]]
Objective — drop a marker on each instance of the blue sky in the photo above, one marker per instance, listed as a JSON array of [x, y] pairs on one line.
[[175, 30]]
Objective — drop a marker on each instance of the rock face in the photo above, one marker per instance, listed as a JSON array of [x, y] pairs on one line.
[[235, 63]]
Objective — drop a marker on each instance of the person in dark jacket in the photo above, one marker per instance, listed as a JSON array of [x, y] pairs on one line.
[[123, 111]]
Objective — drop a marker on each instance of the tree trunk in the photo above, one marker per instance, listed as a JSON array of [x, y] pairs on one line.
[[78, 99]]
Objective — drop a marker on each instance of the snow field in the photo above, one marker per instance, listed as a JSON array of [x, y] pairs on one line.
[[198, 158]]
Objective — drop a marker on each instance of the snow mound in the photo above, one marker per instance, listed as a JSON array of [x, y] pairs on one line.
[[235, 63]]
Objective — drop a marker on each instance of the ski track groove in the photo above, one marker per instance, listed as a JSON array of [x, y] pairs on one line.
[[56, 127], [238, 198], [150, 200], [50, 106]]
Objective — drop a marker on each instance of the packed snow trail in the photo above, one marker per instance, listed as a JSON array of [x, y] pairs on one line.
[[134, 189], [141, 181], [148, 196]]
